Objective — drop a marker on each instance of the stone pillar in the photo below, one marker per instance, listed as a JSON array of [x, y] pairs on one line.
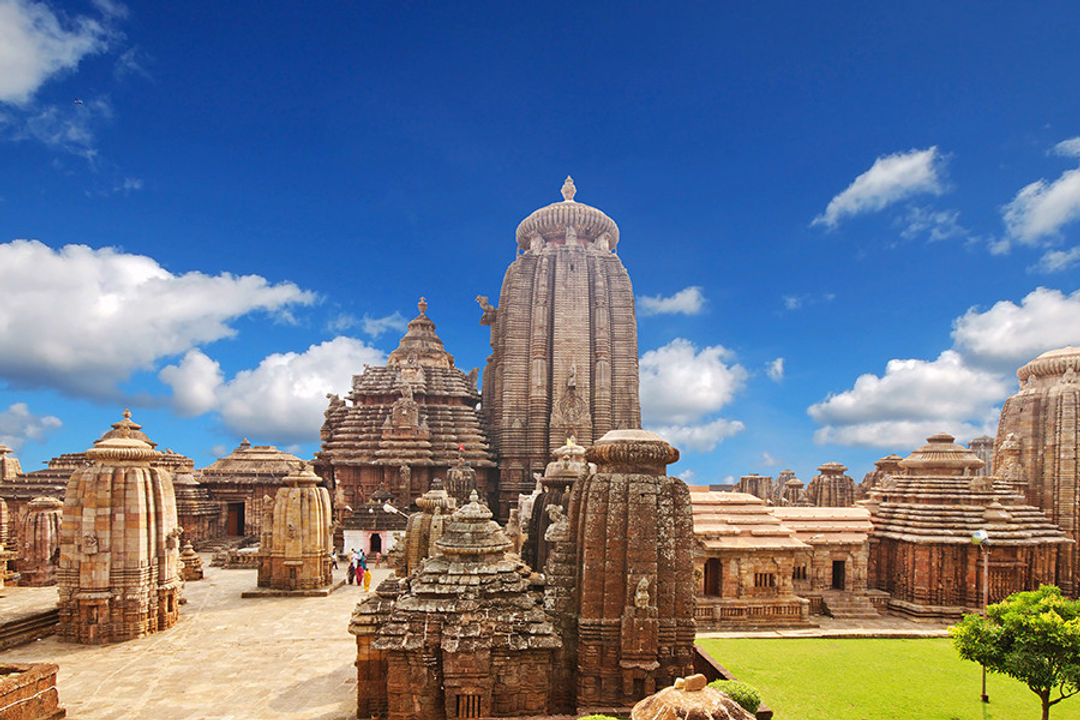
[[41, 542], [298, 555], [119, 556], [633, 531]]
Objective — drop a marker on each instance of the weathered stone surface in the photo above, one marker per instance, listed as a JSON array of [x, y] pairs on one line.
[[405, 424], [983, 448], [119, 554], [630, 532], [41, 543], [295, 550], [424, 528], [564, 356], [464, 636], [883, 468], [239, 481], [191, 568], [920, 548], [28, 692], [831, 487], [761, 486], [566, 467], [1042, 456], [199, 514], [689, 699], [371, 528]]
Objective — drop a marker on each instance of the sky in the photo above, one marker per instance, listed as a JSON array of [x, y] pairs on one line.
[[846, 224]]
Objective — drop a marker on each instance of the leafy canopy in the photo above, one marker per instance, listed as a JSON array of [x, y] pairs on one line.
[[1033, 637]]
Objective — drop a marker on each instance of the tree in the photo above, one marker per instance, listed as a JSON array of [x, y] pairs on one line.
[[1033, 637]]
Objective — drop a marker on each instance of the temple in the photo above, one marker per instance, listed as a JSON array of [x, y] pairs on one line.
[[404, 424], [1043, 420], [564, 358]]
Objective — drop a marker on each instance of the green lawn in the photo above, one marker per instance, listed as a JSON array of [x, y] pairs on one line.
[[825, 679]]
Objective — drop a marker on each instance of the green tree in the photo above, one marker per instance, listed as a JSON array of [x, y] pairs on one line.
[[1033, 637]]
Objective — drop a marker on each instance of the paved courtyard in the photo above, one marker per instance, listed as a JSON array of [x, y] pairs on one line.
[[227, 659]]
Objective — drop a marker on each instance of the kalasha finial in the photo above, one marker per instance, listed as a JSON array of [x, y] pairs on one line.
[[127, 414], [568, 189], [422, 305]]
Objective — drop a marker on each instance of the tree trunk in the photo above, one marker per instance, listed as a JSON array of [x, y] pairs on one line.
[[1046, 705]]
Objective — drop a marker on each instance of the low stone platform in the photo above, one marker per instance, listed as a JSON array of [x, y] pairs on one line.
[[883, 626], [28, 692], [274, 592], [26, 614]]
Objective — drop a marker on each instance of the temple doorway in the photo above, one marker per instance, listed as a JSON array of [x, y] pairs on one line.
[[839, 568], [234, 519], [714, 572], [376, 544]]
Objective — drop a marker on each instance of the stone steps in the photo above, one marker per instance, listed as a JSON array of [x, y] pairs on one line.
[[844, 606], [28, 628]]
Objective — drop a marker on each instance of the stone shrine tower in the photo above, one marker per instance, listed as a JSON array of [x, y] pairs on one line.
[[404, 424], [119, 543], [631, 531], [564, 358], [295, 553], [831, 487], [41, 542], [1044, 420]]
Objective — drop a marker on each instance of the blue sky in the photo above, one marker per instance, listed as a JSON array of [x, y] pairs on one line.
[[846, 225]]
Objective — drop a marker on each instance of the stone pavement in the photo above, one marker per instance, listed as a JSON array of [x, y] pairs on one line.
[[886, 626], [16, 601], [226, 659]]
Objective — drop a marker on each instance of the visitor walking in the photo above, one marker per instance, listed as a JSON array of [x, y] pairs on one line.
[[367, 579], [352, 567]]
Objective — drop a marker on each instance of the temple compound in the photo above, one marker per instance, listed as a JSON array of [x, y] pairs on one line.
[[466, 637], [405, 424], [198, 513], [564, 358], [239, 481], [21, 488], [923, 519], [1043, 418], [41, 542], [295, 550], [371, 528], [119, 554]]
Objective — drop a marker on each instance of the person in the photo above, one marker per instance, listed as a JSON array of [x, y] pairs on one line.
[[333, 557], [367, 579], [352, 567]]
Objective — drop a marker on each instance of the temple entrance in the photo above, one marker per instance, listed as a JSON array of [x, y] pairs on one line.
[[839, 568], [234, 519], [714, 573], [376, 544]]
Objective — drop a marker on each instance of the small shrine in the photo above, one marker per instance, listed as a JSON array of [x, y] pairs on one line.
[[295, 552], [41, 542]]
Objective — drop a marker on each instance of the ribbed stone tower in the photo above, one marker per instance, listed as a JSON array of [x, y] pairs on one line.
[[119, 551], [632, 531], [1044, 420], [831, 487], [41, 542], [564, 358], [295, 553]]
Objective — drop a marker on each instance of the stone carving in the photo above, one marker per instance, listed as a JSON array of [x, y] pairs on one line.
[[461, 480], [1044, 420], [131, 586], [641, 595], [580, 328], [191, 569], [296, 554], [559, 528]]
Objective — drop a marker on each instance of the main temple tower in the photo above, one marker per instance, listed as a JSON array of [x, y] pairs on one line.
[[564, 358]]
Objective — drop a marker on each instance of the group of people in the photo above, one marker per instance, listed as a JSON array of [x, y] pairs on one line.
[[358, 569]]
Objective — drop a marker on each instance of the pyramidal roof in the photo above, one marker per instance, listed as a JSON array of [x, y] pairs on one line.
[[420, 345]]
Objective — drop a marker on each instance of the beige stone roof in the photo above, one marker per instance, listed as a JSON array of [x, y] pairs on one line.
[[739, 521], [553, 220], [1051, 364], [420, 344], [834, 525], [255, 464]]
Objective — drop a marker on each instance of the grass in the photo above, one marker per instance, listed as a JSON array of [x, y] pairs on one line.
[[833, 679]]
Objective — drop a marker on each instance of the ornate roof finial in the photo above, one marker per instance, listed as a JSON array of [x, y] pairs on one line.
[[422, 305], [568, 189], [127, 414]]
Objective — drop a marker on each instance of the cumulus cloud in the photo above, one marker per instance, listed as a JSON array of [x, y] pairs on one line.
[[18, 426], [890, 179], [1008, 335], [688, 301], [703, 438], [775, 369], [912, 395], [82, 320], [282, 399], [680, 384], [1040, 209], [1068, 148], [1055, 261], [37, 44]]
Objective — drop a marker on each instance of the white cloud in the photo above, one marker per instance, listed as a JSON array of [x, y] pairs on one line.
[[792, 302], [775, 369], [374, 327], [282, 399], [1008, 335], [935, 224], [688, 301], [1054, 261], [18, 426], [686, 475], [890, 179], [82, 320], [703, 438], [768, 460], [1040, 209], [36, 44], [913, 395], [680, 384], [1068, 148]]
